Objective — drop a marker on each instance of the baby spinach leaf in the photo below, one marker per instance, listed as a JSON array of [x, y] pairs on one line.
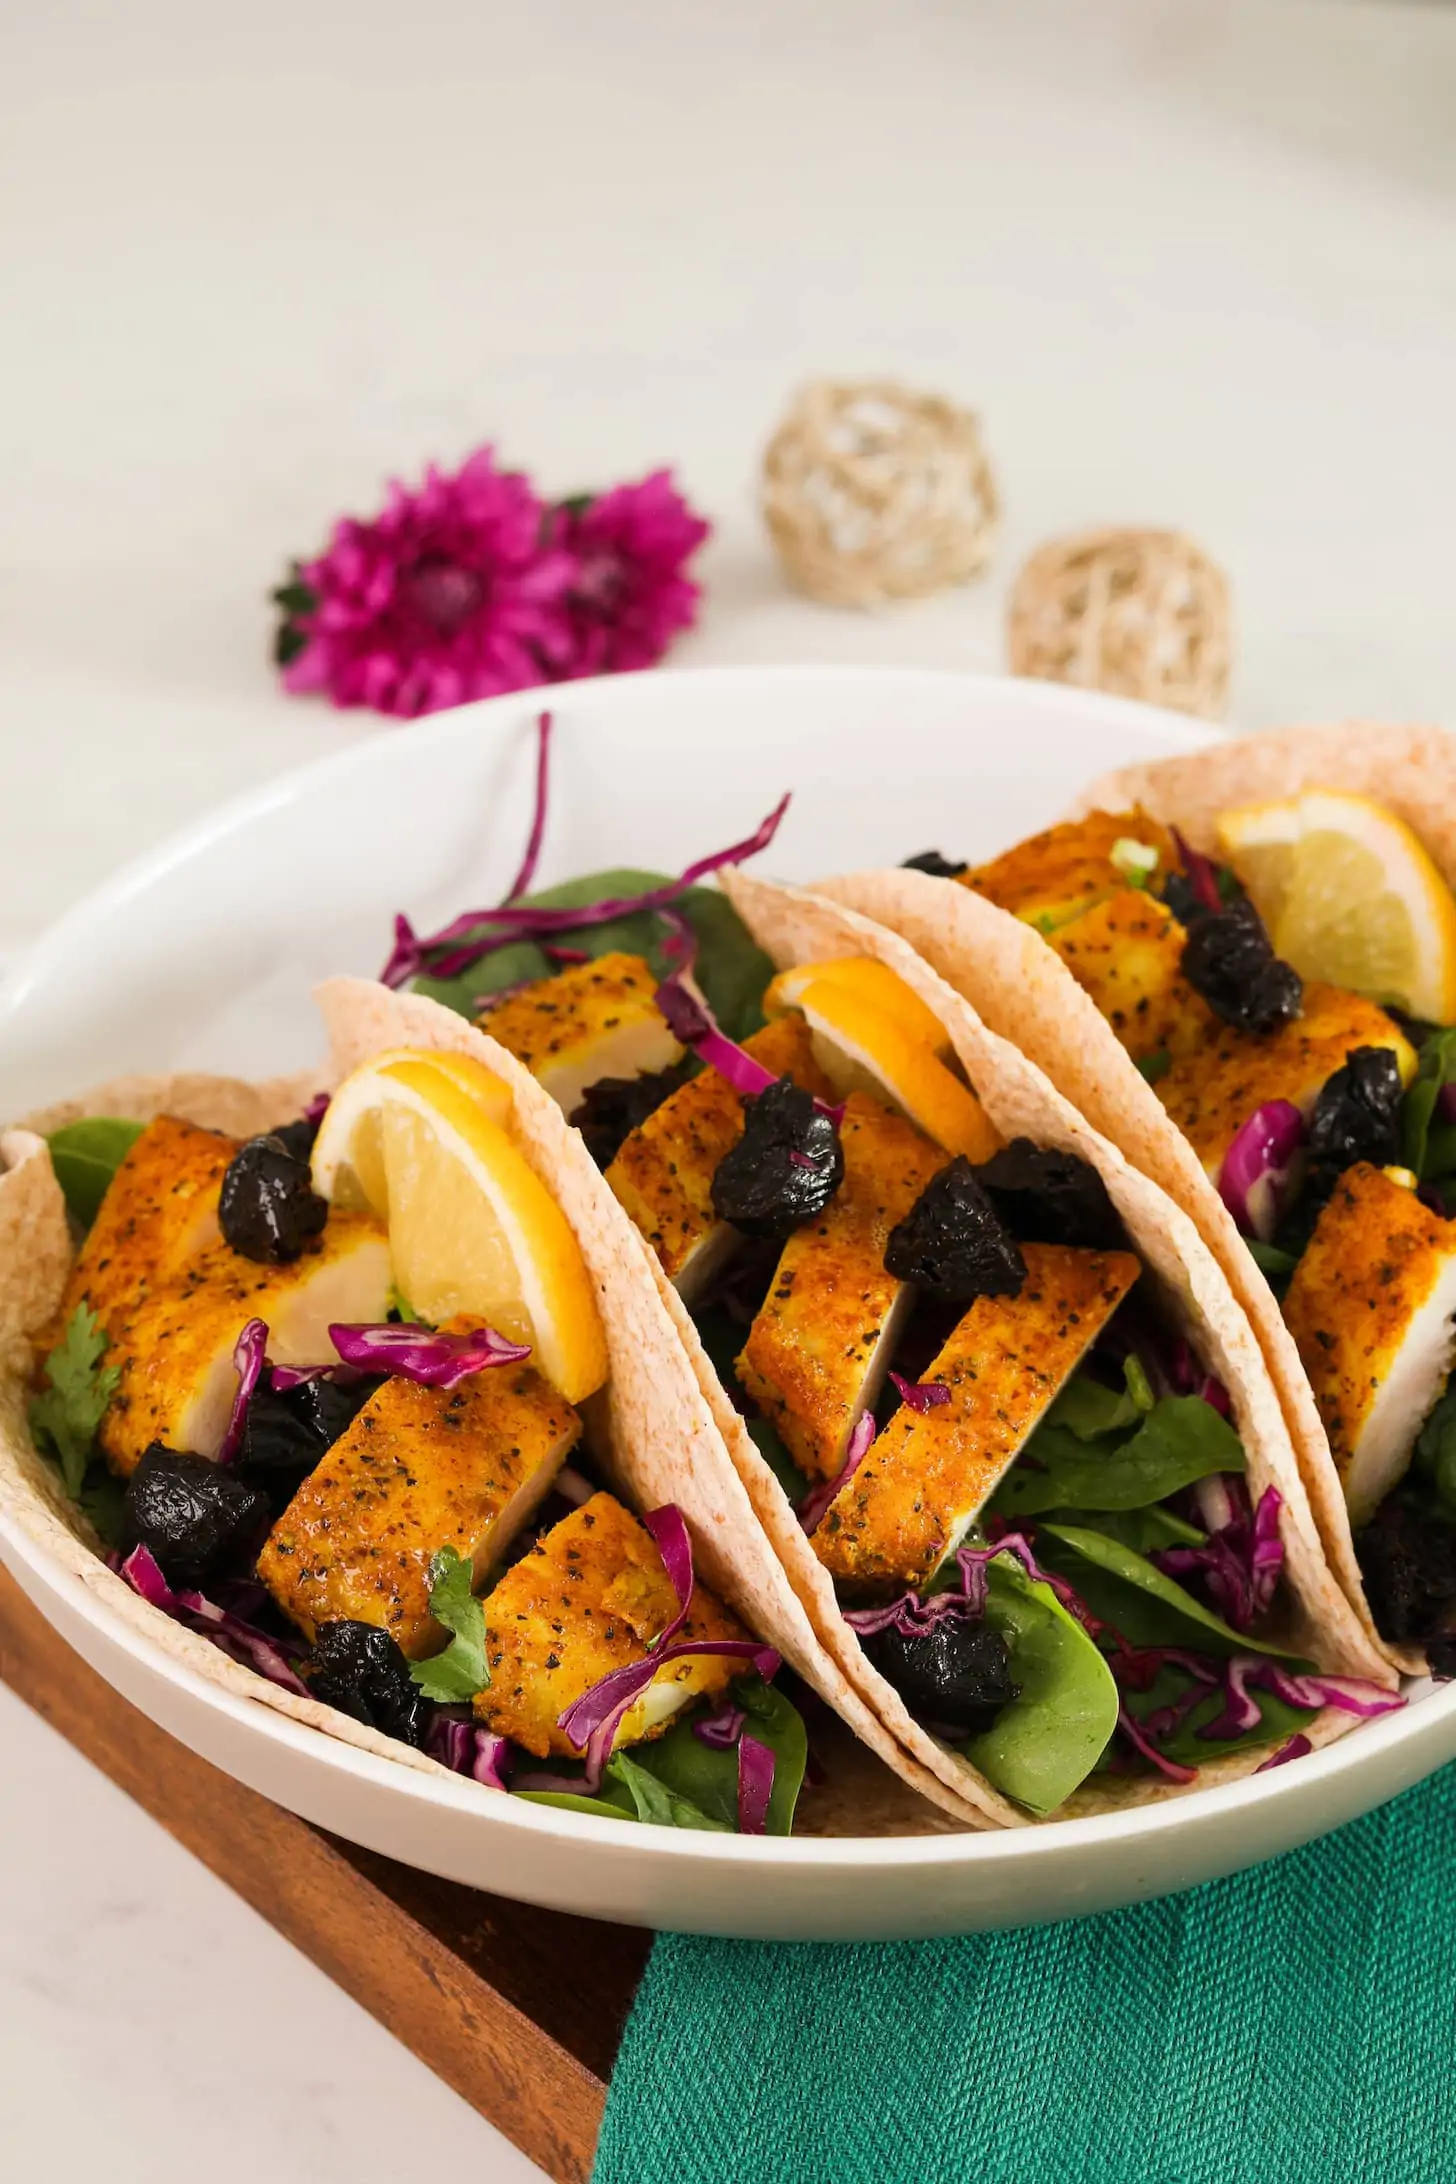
[[85, 1156], [1276, 1722], [1088, 1409], [615, 1803], [1052, 1734], [461, 1670], [1181, 1439], [1435, 1067], [1146, 1531], [765, 1439], [655, 1802], [65, 1416], [708, 1778], [1275, 1265], [1148, 1608], [1435, 1452], [731, 969], [723, 1337]]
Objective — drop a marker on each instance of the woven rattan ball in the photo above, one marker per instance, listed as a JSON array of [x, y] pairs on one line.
[[873, 493], [1141, 613]]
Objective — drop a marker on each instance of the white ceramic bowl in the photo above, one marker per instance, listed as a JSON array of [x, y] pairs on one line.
[[203, 955]]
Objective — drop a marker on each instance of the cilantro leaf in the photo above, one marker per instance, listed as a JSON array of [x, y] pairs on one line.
[[461, 1670], [64, 1418]]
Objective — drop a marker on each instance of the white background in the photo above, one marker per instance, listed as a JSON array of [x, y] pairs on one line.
[[1195, 263]]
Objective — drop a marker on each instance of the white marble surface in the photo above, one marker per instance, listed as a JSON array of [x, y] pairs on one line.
[[1193, 262]]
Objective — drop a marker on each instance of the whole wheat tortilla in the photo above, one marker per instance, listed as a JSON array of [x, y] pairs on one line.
[[795, 926]]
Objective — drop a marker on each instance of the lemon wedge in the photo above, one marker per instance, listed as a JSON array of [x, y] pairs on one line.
[[872, 981], [1350, 896], [861, 1048], [420, 1140]]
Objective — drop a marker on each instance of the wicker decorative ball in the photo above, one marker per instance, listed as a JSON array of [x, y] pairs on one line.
[[873, 493], [1142, 613]]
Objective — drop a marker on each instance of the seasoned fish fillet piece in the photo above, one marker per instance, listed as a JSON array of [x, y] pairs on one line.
[[590, 1597], [818, 1352], [1057, 875], [175, 1351], [1371, 1309], [929, 1474], [1212, 1092], [159, 1212], [419, 1469], [592, 1021], [663, 1174], [1127, 952]]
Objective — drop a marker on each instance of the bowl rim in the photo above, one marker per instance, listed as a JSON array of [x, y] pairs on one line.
[[1348, 1754]]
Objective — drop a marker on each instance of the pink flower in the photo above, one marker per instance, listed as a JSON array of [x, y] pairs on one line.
[[628, 596], [449, 594]]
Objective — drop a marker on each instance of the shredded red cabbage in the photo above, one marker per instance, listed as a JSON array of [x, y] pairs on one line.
[[1201, 871], [1243, 1557], [228, 1632], [1347, 1694], [973, 1561], [1295, 1748], [920, 1395], [910, 1615], [477, 933], [1260, 1165], [317, 1108], [467, 1749], [721, 1731], [249, 1352], [425, 1354], [563, 958], [691, 1020], [537, 835], [1144, 1744], [811, 1510], [755, 1785], [1186, 1379]]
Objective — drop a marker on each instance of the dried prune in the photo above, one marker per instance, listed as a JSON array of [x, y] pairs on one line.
[[613, 1107], [1230, 960], [952, 1243], [784, 1169], [1407, 1558], [1441, 1656], [1357, 1114], [269, 1210], [287, 1432], [297, 1137], [956, 1674], [1181, 896], [198, 1520], [931, 861], [1049, 1197], [359, 1669]]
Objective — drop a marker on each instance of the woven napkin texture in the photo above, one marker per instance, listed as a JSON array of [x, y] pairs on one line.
[[1293, 2025]]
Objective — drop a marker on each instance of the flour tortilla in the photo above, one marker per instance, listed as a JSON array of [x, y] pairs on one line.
[[653, 1419], [1024, 991], [795, 926]]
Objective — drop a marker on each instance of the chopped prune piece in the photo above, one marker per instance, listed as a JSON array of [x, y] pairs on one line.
[[269, 1209], [613, 1107], [1441, 1654], [1357, 1114], [297, 1137], [360, 1669], [1050, 1197], [1407, 1558], [784, 1169], [952, 1243], [956, 1674], [931, 861], [1181, 896], [288, 1431], [197, 1519], [1229, 959]]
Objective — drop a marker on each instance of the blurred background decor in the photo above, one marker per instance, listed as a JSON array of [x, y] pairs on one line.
[[873, 493], [1143, 614]]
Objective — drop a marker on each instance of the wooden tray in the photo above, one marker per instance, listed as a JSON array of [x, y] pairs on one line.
[[520, 2010]]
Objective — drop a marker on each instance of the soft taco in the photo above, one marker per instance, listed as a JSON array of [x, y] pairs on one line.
[[504, 1543], [987, 1390], [1241, 966]]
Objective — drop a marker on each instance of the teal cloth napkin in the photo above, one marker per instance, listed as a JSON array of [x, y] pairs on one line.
[[1293, 2025]]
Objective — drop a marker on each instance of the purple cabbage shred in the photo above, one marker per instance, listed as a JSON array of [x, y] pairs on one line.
[[428, 1355], [249, 1352], [813, 1508]]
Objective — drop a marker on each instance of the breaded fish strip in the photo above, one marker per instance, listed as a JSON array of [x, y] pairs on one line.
[[590, 1597], [929, 1474], [419, 1469], [159, 1212], [1371, 1309], [175, 1350], [1211, 1093], [1057, 875], [663, 1174], [1127, 952], [592, 1021], [817, 1353]]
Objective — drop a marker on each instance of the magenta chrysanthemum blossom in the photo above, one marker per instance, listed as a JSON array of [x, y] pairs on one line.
[[451, 593], [629, 596]]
